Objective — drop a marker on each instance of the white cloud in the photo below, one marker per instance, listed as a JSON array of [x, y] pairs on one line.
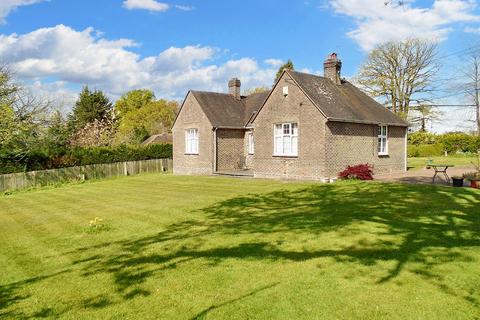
[[151, 5], [377, 22], [472, 30], [7, 6], [274, 62], [184, 8], [76, 57]]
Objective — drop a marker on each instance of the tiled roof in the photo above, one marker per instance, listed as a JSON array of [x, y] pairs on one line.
[[344, 102], [223, 110]]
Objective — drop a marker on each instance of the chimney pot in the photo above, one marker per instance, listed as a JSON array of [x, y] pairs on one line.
[[234, 86], [332, 68]]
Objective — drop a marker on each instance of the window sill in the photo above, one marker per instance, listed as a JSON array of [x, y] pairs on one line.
[[191, 154], [284, 156], [383, 154]]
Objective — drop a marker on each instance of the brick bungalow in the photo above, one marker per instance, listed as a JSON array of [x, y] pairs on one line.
[[306, 127]]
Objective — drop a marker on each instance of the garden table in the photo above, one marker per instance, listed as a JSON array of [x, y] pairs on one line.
[[441, 168]]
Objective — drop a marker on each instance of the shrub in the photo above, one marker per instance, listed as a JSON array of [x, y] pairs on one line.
[[359, 171], [455, 141], [60, 158], [421, 138], [425, 150], [96, 155]]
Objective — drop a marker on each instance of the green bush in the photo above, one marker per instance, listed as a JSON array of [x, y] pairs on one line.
[[96, 155], [428, 144], [459, 142], [63, 157], [425, 150], [420, 138]]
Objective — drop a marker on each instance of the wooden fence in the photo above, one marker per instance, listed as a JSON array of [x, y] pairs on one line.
[[23, 180]]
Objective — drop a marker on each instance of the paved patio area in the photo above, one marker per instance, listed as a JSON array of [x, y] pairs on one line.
[[423, 176], [416, 176]]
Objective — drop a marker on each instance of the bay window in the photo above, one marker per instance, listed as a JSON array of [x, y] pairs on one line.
[[285, 139]]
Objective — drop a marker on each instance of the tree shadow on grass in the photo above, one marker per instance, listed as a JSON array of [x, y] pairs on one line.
[[9, 295], [417, 226], [418, 218], [203, 314]]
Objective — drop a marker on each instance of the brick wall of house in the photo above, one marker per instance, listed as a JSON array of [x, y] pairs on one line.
[[350, 144], [192, 116], [295, 107], [230, 149]]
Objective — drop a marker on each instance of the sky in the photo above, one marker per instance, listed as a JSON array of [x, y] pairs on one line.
[[57, 46]]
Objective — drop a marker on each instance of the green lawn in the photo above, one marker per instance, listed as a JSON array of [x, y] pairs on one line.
[[225, 248], [457, 160]]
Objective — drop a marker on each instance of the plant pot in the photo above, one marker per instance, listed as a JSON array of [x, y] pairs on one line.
[[475, 184], [457, 182]]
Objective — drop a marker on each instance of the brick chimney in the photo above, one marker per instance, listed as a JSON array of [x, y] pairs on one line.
[[234, 88], [332, 67]]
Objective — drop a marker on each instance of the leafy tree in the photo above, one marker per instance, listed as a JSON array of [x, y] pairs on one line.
[[57, 134], [133, 100], [288, 65], [155, 117], [7, 125], [400, 72], [90, 106]]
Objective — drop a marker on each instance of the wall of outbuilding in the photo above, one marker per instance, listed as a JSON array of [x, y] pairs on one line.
[[192, 116]]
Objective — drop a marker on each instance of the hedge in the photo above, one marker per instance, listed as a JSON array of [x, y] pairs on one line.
[[454, 142], [42, 159], [428, 143], [425, 150]]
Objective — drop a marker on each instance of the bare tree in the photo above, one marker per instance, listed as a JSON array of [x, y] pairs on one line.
[[424, 114], [23, 116], [400, 73], [472, 87]]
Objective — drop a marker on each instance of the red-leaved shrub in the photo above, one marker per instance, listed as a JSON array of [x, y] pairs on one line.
[[359, 171]]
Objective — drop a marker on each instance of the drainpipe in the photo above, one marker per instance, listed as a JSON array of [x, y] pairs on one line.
[[214, 149]]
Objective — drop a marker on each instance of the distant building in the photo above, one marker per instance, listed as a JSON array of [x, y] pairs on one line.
[[159, 138]]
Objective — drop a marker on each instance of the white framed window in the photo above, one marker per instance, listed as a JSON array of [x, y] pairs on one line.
[[251, 146], [285, 139], [191, 141], [382, 140]]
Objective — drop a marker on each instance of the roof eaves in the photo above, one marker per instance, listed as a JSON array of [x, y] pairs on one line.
[[180, 110], [254, 116], [229, 127], [367, 122]]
